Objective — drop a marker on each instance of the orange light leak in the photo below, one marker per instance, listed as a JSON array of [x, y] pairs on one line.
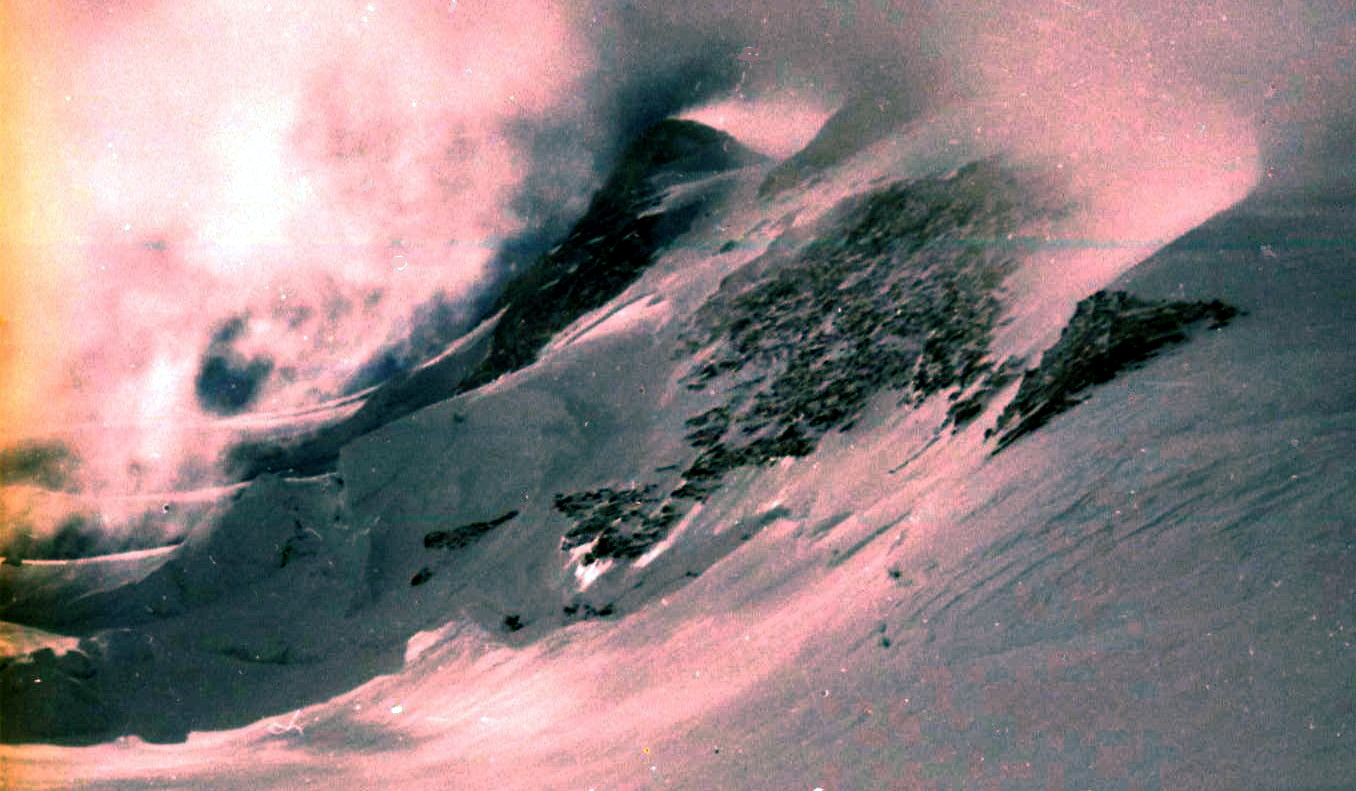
[[11, 209], [15, 225], [26, 225]]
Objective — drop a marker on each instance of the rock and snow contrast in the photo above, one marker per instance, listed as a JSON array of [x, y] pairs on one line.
[[920, 458]]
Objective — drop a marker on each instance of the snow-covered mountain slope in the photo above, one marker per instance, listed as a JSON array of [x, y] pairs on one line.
[[877, 481]]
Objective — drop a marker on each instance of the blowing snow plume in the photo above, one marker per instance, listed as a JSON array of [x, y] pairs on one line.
[[254, 202]]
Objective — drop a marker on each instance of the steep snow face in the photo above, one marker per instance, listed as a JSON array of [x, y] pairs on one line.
[[746, 524]]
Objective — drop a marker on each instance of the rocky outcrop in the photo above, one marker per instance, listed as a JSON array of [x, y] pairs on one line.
[[464, 535], [900, 294], [1108, 333], [621, 524], [457, 538], [612, 244]]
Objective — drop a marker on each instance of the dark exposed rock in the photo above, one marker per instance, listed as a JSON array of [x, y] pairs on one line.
[[423, 575], [971, 406], [900, 294], [586, 610], [611, 245], [621, 523], [1108, 333], [465, 535], [709, 427]]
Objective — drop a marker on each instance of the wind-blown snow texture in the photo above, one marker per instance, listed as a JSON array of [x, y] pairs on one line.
[[754, 442]]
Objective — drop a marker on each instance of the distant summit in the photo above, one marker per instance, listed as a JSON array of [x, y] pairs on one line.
[[613, 243], [857, 124], [670, 152], [606, 250]]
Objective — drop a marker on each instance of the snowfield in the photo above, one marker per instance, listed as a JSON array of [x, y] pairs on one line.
[[1154, 588]]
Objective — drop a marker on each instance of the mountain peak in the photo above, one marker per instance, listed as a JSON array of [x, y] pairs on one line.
[[678, 150], [861, 121]]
